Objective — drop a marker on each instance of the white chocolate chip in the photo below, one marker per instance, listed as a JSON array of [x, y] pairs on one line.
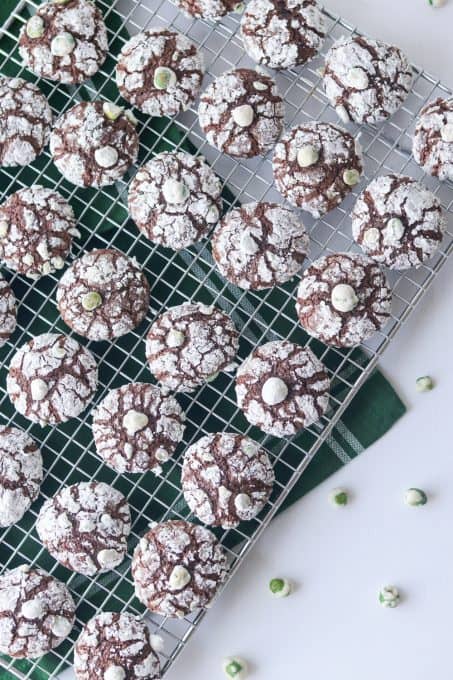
[[106, 156], [46, 268], [112, 111], [243, 115], [109, 558], [32, 609], [357, 78], [447, 133], [175, 191], [38, 389], [242, 502], [58, 352], [307, 155], [248, 244], [343, 297], [35, 27], [394, 231], [62, 45], [130, 116], [134, 421], [179, 578], [3, 228], [213, 215], [175, 338], [162, 455], [351, 177], [258, 85], [61, 627], [164, 78], [114, 673], [274, 391], [128, 450], [371, 237], [157, 643], [57, 262]]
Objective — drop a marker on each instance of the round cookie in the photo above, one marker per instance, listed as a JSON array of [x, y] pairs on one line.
[[37, 612], [259, 245], [115, 646], [208, 9], [366, 80], [398, 222], [94, 143], [66, 41], [51, 379], [20, 474], [343, 299], [160, 72], [136, 428], [85, 527], [8, 319], [316, 165], [190, 344], [175, 199], [241, 113], [36, 230], [177, 567], [103, 295], [282, 33], [282, 388], [433, 139], [226, 479], [25, 122]]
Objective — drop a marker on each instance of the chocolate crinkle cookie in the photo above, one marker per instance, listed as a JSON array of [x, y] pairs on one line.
[[8, 320], [37, 612], [316, 165], [137, 428], [433, 139], [115, 646], [85, 527], [208, 9], [175, 199], [25, 122], [366, 80], [177, 567], [398, 222], [160, 72], [66, 40], [36, 230], [226, 479], [343, 299], [190, 344], [103, 295], [20, 474], [282, 33], [259, 245], [51, 379], [241, 113], [282, 388], [93, 144]]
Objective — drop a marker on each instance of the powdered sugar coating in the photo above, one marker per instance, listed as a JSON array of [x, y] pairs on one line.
[[79, 19], [23, 592], [206, 343], [25, 122], [226, 479], [78, 137], [224, 96], [321, 186], [85, 527], [20, 474], [380, 80], [431, 151], [176, 223], [8, 319], [282, 33], [153, 49], [259, 245], [178, 544], [112, 640], [123, 291], [395, 197], [37, 226], [207, 9], [66, 370], [314, 305]]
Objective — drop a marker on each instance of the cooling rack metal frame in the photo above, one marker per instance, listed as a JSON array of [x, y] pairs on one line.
[[68, 450]]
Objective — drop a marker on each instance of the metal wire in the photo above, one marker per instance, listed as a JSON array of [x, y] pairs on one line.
[[68, 450]]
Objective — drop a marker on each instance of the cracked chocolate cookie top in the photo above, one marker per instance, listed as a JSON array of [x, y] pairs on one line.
[[51, 379], [282, 33], [177, 567], [241, 113], [20, 474], [259, 245], [8, 319], [85, 527], [398, 222], [115, 646], [175, 199], [36, 230], [37, 612], [282, 388], [25, 122], [226, 479], [103, 295], [160, 72], [208, 9], [94, 144], [64, 41], [343, 299], [433, 139], [136, 428], [316, 165], [366, 80], [190, 344]]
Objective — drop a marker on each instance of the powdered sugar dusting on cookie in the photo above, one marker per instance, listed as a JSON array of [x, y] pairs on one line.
[[207, 9], [432, 148], [8, 319]]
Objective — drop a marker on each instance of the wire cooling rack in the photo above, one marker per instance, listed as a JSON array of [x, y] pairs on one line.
[[261, 316]]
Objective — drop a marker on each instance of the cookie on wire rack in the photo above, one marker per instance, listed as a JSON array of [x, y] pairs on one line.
[[433, 139], [8, 320], [209, 9]]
